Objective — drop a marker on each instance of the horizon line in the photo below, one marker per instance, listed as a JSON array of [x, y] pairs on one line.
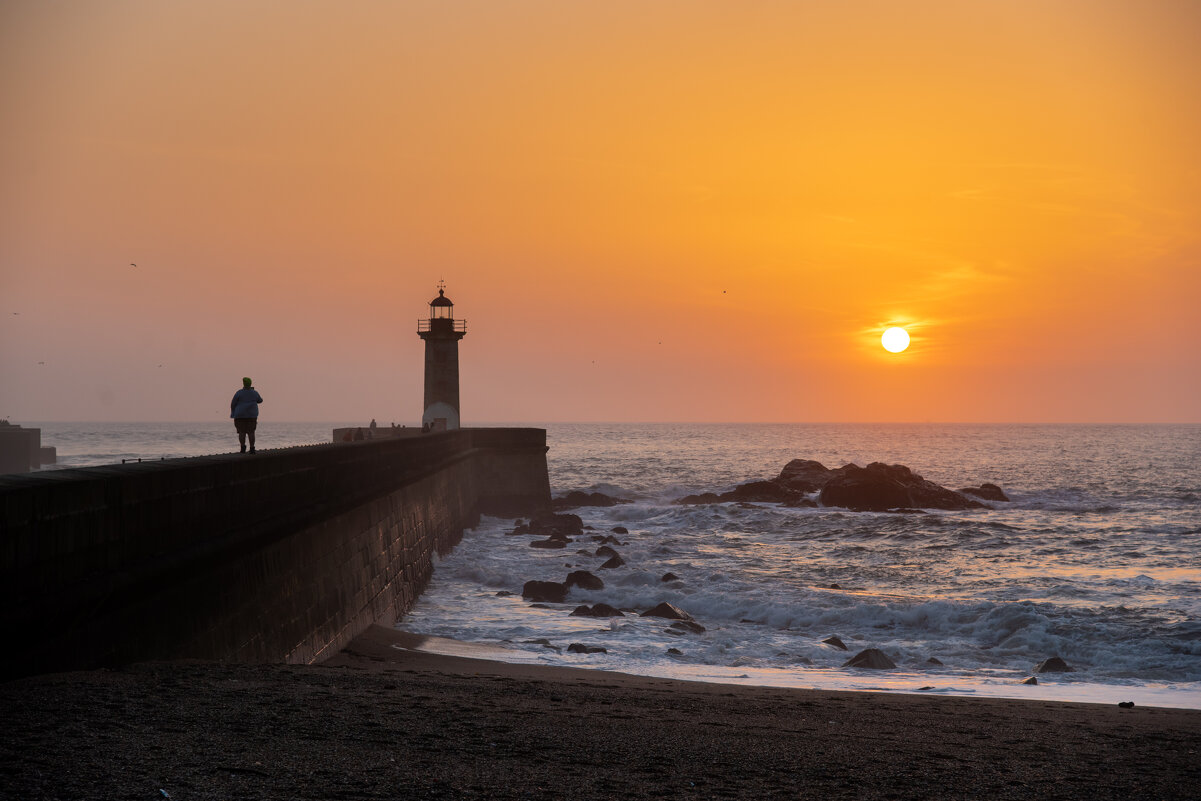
[[527, 424]]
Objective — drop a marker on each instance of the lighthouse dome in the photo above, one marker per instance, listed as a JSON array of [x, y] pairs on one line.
[[441, 300]]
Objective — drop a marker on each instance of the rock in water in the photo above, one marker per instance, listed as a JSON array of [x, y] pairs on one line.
[[550, 591], [751, 492], [600, 610], [837, 643], [689, 625], [762, 492], [580, 648], [613, 561], [1031, 680], [989, 492], [1053, 665], [577, 498], [584, 580], [552, 543], [875, 488], [553, 525], [668, 611], [872, 658], [804, 475], [865, 489], [880, 487]]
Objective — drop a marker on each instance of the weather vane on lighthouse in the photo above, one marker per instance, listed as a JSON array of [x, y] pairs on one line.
[[441, 332]]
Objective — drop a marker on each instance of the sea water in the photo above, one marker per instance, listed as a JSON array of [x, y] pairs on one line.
[[1096, 558]]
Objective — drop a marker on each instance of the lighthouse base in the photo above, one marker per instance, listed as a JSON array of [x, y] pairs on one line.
[[440, 416]]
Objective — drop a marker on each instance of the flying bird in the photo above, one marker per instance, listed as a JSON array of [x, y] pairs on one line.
[[131, 264]]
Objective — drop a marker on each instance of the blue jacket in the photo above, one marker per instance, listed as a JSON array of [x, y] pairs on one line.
[[245, 403]]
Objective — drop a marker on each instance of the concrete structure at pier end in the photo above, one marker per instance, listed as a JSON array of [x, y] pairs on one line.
[[441, 332]]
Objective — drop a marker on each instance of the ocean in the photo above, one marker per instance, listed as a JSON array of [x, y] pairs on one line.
[[1095, 559]]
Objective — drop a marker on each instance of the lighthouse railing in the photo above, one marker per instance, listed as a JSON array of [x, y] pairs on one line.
[[426, 325]]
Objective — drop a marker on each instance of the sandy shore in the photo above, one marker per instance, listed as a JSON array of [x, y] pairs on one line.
[[383, 721]]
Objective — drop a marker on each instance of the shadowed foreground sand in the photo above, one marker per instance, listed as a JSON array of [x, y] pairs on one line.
[[381, 722]]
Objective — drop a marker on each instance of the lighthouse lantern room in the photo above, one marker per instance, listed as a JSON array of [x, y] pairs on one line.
[[441, 332]]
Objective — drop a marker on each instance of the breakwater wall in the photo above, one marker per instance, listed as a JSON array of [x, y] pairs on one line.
[[283, 556]]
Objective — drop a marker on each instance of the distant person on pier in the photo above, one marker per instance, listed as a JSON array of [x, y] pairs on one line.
[[371, 429], [244, 409]]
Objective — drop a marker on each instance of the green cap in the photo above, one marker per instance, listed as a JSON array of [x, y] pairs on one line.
[[246, 382]]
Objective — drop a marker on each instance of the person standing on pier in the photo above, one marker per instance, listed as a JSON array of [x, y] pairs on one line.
[[244, 409]]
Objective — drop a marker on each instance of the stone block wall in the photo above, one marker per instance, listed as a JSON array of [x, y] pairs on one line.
[[281, 556]]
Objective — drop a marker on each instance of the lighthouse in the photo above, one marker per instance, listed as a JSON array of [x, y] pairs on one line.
[[441, 332]]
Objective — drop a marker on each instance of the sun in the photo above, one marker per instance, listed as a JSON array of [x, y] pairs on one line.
[[895, 339]]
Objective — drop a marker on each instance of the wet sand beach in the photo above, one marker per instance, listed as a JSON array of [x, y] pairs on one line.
[[381, 720]]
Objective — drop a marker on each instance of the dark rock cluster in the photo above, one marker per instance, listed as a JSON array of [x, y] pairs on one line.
[[559, 530], [878, 487]]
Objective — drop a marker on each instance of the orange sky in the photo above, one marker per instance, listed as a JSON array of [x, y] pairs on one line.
[[691, 211]]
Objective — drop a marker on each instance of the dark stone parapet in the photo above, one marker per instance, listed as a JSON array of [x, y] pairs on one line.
[[279, 556], [511, 467]]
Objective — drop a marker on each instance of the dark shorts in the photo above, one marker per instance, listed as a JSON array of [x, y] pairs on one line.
[[245, 425]]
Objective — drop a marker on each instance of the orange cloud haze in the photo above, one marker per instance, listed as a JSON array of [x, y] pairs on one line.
[[646, 211]]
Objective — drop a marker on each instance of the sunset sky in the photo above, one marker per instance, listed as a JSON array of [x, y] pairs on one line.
[[646, 211]]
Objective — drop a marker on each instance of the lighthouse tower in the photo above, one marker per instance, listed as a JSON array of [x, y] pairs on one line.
[[441, 333]]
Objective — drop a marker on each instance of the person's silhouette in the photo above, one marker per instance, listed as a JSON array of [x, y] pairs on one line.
[[244, 409]]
